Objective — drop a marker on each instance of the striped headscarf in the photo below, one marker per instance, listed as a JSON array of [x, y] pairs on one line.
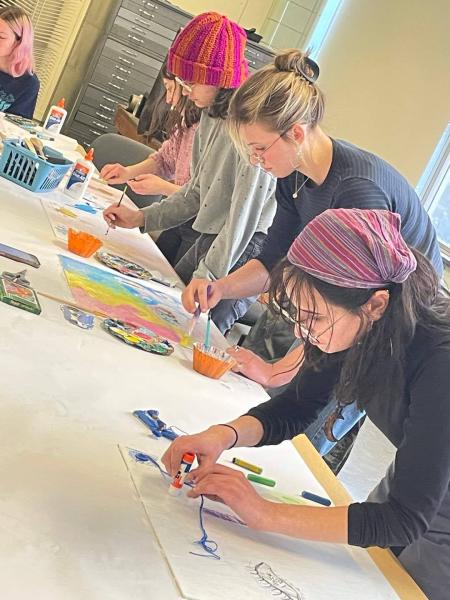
[[210, 50], [354, 248]]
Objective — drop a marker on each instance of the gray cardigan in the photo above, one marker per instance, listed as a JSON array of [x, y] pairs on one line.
[[229, 198]]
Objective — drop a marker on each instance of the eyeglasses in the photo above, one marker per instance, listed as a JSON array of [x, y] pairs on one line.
[[306, 331], [259, 157], [184, 85]]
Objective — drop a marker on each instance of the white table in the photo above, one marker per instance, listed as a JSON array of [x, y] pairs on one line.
[[70, 527]]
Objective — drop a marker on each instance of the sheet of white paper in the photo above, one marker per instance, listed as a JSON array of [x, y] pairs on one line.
[[309, 570]]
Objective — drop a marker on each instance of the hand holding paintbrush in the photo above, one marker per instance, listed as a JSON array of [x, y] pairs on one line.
[[119, 203], [122, 216], [198, 312]]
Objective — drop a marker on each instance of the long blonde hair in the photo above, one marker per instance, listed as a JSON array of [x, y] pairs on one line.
[[278, 96]]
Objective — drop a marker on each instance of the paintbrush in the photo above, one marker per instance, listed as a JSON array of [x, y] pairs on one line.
[[208, 331], [197, 312], [118, 204], [91, 311], [193, 320]]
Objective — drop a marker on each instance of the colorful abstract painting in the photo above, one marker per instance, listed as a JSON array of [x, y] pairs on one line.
[[119, 298]]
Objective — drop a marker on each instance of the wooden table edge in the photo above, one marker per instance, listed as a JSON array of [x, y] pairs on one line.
[[388, 564]]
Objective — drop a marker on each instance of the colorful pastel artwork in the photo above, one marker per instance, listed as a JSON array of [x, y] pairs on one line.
[[102, 291]]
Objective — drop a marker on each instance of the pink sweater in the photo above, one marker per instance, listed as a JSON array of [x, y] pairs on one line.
[[173, 159]]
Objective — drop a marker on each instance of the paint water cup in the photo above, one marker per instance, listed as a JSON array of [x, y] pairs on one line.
[[82, 243], [211, 361]]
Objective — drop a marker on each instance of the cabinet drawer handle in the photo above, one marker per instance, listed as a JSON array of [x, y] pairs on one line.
[[119, 77], [126, 61], [123, 70], [134, 38], [146, 13], [149, 4], [130, 53], [95, 132], [102, 116], [114, 85], [138, 29], [108, 100], [100, 125], [106, 108]]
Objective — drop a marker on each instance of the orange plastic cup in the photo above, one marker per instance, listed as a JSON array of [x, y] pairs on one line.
[[82, 243], [211, 362]]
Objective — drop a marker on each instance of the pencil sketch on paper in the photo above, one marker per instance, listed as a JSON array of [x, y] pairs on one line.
[[279, 586]]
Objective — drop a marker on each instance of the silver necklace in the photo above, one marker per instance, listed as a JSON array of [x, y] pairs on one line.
[[295, 194]]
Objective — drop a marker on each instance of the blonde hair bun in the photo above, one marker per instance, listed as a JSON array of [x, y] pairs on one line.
[[295, 61]]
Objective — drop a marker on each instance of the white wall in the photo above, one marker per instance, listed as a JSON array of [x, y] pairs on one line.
[[385, 69]]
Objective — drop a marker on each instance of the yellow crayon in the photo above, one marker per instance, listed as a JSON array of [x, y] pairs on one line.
[[247, 465]]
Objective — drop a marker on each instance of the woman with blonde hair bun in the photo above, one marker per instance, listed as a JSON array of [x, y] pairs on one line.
[[275, 118]]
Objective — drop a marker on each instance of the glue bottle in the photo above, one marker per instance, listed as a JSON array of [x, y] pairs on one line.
[[80, 176], [177, 482], [56, 117]]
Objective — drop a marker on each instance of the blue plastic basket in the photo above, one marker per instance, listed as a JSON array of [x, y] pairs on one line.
[[28, 170]]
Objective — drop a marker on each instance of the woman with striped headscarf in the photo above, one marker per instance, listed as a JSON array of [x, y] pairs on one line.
[[376, 335]]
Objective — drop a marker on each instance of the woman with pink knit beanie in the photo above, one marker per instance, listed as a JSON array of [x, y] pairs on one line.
[[231, 201]]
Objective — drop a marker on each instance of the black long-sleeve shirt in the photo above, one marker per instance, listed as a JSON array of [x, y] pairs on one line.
[[417, 424], [356, 179]]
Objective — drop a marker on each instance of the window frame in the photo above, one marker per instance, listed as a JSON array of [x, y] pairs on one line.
[[433, 178]]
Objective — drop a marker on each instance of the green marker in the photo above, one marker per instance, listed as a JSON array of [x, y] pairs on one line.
[[261, 480], [247, 465]]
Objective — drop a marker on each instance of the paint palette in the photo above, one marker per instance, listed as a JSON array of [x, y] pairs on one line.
[[139, 337], [124, 266]]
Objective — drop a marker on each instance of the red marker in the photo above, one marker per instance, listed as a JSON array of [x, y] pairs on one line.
[[178, 481]]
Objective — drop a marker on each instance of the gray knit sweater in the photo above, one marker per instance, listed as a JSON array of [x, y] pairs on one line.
[[228, 197]]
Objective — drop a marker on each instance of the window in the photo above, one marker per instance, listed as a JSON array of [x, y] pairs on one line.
[[434, 189], [323, 26], [300, 24]]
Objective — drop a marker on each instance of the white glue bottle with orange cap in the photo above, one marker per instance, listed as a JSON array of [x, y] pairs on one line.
[[80, 176], [177, 482], [56, 116]]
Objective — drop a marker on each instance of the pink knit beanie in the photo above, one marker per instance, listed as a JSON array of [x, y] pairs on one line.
[[210, 50]]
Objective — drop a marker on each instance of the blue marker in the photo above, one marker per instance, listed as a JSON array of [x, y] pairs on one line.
[[316, 498]]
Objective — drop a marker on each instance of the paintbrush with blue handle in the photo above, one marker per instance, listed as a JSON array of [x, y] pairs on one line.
[[208, 331]]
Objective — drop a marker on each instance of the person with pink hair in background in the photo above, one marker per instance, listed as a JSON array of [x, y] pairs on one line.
[[19, 85]]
